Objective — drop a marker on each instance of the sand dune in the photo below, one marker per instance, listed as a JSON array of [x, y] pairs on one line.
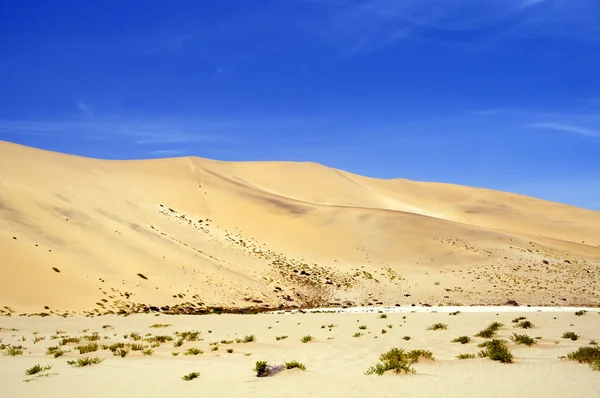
[[76, 232]]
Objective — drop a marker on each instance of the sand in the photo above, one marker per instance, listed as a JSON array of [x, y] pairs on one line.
[[334, 367], [78, 234]]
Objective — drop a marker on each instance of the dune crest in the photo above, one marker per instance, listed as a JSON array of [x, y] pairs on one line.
[[79, 234]]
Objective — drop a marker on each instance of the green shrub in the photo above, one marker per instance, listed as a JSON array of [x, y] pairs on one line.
[[570, 335], [281, 337], [516, 320], [523, 339], [193, 351], [580, 313], [398, 360], [229, 350], [160, 325], [496, 350], [383, 316], [462, 340], [37, 369], [406, 338], [262, 369], [438, 326], [306, 339], [147, 352], [585, 355], [87, 348], [525, 325], [81, 362], [13, 350], [466, 356], [357, 334], [295, 364], [191, 376]]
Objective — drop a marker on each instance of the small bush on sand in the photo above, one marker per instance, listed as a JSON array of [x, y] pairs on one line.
[[229, 350], [523, 339], [438, 326], [490, 331], [496, 350], [398, 360], [148, 352], [37, 369], [82, 362], [580, 313], [466, 356], [191, 376], [357, 334], [362, 327], [13, 350], [262, 369], [383, 316], [518, 319], [584, 355], [570, 335], [69, 340], [525, 325], [55, 351], [281, 337], [160, 325], [194, 351], [295, 364], [306, 339], [406, 338], [462, 340], [87, 348]]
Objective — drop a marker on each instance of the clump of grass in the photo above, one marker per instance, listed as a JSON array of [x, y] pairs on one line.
[[390, 326], [383, 331], [191, 335], [37, 369], [406, 338], [306, 338], [490, 331], [593, 342], [580, 313], [138, 347], [194, 351], [226, 341], [178, 343], [357, 334], [496, 350], [438, 326], [160, 325], [585, 355], [121, 352], [93, 337], [294, 365], [262, 369], [87, 348], [466, 356], [229, 350], [55, 351], [363, 327], [570, 335], [159, 339], [462, 340], [135, 336], [523, 339], [249, 339], [214, 348], [13, 350], [525, 325], [518, 319], [82, 362], [280, 337], [191, 376], [69, 340], [148, 352], [383, 316], [595, 365], [398, 360], [455, 313]]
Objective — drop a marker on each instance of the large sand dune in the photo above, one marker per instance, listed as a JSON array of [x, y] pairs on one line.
[[76, 232]]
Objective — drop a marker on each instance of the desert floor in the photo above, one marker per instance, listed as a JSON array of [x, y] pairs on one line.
[[335, 360]]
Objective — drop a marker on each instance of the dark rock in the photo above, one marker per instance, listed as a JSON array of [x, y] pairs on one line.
[[512, 302]]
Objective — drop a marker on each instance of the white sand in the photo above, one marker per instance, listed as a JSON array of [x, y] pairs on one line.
[[335, 368]]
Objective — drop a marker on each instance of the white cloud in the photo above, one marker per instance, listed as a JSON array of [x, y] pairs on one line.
[[567, 128]]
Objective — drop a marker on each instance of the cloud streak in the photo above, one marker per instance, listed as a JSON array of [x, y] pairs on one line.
[[566, 128]]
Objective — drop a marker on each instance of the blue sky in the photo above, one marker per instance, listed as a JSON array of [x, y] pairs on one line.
[[502, 94]]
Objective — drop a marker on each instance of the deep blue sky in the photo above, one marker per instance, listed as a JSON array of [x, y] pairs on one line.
[[502, 94]]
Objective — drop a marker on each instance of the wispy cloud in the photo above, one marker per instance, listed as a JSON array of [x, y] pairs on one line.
[[363, 27], [166, 152], [86, 108], [566, 128]]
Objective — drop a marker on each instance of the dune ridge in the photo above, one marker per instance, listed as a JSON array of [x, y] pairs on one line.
[[89, 235]]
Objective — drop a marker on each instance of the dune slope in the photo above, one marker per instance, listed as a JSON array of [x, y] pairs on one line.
[[79, 234]]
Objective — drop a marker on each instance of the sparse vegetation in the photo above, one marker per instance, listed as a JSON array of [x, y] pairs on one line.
[[191, 376], [438, 326], [357, 334], [462, 340], [406, 338], [82, 362], [148, 352], [570, 335], [518, 319], [496, 350], [262, 369], [280, 337], [399, 361], [294, 365], [362, 327], [587, 355], [37, 369], [466, 356], [523, 339], [13, 350], [229, 350], [525, 325], [87, 348], [383, 316], [55, 351], [306, 339], [580, 313], [490, 331], [194, 351], [160, 325]]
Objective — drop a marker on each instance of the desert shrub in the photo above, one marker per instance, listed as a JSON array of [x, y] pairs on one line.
[[580, 313], [595, 365], [455, 313], [466, 356], [226, 341], [55, 351], [229, 350], [159, 339], [262, 369], [194, 351], [438, 326], [93, 337], [191, 335], [69, 340], [462, 340], [306, 339], [13, 350], [37, 369], [89, 347], [191, 376], [383, 331], [138, 347], [82, 362], [496, 350], [160, 325], [523, 339], [518, 319], [398, 360], [357, 334], [570, 335], [249, 338], [121, 352], [406, 338], [383, 316], [295, 364], [147, 352], [585, 355], [281, 337], [490, 331], [525, 325], [362, 327], [178, 343]]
